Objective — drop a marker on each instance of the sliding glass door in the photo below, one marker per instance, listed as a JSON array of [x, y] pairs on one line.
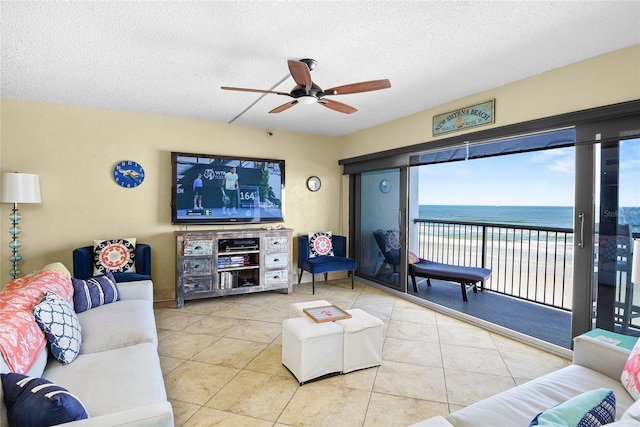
[[381, 228], [617, 222]]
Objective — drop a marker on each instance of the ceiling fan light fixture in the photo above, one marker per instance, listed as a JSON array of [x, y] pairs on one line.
[[307, 99]]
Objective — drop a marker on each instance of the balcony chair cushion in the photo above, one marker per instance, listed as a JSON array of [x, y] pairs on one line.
[[61, 326], [320, 244], [630, 376], [31, 404], [114, 255], [94, 292], [590, 409]]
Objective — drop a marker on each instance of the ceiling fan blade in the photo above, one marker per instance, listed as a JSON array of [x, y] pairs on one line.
[[300, 73], [284, 107], [359, 87], [337, 106], [243, 89]]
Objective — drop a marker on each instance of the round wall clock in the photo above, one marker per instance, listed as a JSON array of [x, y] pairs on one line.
[[128, 174], [385, 186], [313, 183]]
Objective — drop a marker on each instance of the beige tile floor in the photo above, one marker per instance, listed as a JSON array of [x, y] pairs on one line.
[[221, 360]]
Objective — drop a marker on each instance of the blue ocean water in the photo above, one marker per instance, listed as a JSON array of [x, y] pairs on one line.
[[543, 216]]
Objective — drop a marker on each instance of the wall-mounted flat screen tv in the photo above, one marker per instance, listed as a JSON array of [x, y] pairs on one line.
[[212, 189]]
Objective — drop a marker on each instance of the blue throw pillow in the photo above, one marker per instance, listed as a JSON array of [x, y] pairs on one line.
[[60, 324], [36, 402], [94, 292], [591, 409]]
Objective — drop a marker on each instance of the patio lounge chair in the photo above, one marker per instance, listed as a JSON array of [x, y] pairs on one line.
[[451, 273]]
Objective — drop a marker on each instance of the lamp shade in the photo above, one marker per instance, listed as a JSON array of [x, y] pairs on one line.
[[20, 188], [635, 266]]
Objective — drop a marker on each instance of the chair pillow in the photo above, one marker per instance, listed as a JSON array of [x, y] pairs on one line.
[[94, 292], [320, 244], [392, 239], [114, 255], [38, 402], [60, 325], [630, 376], [591, 409]]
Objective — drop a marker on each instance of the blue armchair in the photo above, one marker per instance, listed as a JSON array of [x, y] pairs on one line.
[[83, 264], [325, 264]]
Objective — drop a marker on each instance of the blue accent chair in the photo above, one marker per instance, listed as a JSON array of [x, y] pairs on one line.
[[324, 264], [83, 264]]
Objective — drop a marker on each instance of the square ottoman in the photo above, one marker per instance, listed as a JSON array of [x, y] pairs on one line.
[[311, 350], [362, 340], [296, 309]]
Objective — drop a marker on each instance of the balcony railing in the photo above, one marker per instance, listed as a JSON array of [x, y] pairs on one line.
[[530, 263]]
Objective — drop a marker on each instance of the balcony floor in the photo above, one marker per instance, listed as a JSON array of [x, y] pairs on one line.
[[536, 320]]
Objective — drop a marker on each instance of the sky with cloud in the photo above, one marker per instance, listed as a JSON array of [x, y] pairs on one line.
[[542, 178]]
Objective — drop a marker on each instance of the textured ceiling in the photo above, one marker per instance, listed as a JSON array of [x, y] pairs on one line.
[[171, 58]]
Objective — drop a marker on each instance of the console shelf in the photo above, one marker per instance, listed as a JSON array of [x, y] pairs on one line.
[[214, 263]]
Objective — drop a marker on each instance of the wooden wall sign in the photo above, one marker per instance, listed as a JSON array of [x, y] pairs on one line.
[[464, 118]]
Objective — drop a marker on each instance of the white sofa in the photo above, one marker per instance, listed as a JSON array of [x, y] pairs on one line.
[[595, 365], [117, 374]]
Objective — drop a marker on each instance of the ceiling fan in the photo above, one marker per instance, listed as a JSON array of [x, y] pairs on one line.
[[307, 92]]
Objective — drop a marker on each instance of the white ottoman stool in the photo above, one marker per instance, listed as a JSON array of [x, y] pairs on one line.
[[311, 350], [296, 309], [362, 340]]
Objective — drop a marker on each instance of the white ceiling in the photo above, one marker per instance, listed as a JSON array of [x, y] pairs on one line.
[[170, 58]]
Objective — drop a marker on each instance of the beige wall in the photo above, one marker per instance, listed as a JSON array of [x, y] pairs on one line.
[[603, 80], [75, 149]]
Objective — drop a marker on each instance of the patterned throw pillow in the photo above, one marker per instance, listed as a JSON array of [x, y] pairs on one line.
[[591, 409], [114, 255], [631, 373], [39, 402], [60, 325], [94, 292], [392, 239], [320, 244]]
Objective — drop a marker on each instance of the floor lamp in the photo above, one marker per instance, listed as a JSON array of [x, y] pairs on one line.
[[18, 188]]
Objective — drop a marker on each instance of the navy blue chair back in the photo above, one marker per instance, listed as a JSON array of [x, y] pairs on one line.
[[83, 264]]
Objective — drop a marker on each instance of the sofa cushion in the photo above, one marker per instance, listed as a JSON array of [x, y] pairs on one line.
[[37, 402], [631, 373], [94, 292], [590, 409], [538, 395], [113, 380], [21, 340], [320, 244], [59, 322], [116, 255], [117, 325]]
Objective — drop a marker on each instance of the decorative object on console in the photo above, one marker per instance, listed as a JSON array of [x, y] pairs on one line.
[[320, 244], [38, 402], [18, 188], [313, 183], [128, 174], [117, 255]]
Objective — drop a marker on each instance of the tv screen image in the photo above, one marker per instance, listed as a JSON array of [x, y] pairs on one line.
[[213, 189]]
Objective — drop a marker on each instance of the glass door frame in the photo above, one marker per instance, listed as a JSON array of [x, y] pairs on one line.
[[355, 184]]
